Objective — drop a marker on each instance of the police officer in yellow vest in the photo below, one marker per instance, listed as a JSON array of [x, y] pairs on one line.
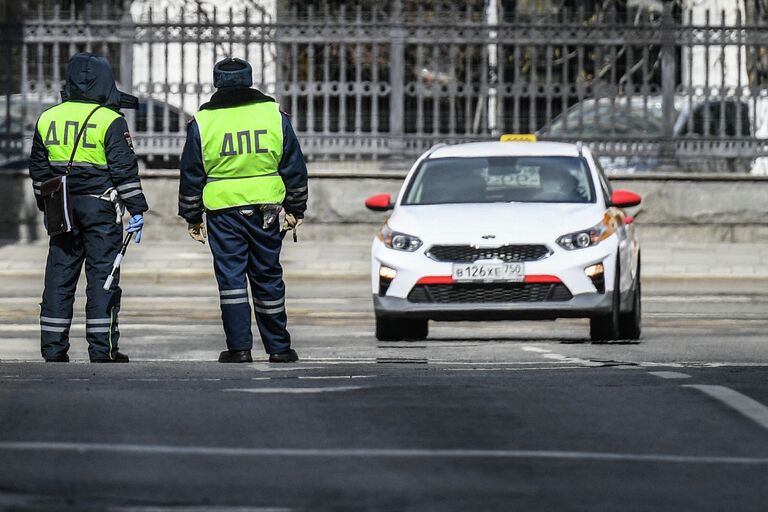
[[102, 180], [241, 165]]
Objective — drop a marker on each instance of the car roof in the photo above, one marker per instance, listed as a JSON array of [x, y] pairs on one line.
[[496, 148]]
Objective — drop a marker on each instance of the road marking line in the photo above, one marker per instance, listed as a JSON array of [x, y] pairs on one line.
[[671, 375], [401, 360], [490, 363], [712, 299], [559, 358], [742, 317], [206, 508], [699, 364], [319, 377], [294, 391], [407, 347], [340, 360], [273, 367], [580, 367], [84, 448], [747, 406]]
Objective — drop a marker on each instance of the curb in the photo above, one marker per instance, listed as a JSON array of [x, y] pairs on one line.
[[158, 275], [319, 274]]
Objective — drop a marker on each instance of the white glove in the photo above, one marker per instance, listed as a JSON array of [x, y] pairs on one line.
[[198, 232], [291, 222]]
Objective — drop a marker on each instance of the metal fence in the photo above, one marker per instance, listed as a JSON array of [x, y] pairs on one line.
[[649, 87]]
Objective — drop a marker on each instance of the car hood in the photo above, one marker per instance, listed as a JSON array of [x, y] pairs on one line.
[[500, 222]]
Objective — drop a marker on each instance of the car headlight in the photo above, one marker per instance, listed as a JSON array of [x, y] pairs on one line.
[[398, 241], [585, 238]]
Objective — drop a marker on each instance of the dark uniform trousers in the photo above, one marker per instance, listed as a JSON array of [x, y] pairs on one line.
[[245, 252], [95, 239]]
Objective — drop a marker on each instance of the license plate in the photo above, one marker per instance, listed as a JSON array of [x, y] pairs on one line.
[[484, 272]]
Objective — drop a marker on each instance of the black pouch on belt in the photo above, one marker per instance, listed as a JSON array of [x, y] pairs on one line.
[[55, 192], [58, 208]]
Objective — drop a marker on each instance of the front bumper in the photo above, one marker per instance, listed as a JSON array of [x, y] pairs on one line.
[[580, 306], [567, 266]]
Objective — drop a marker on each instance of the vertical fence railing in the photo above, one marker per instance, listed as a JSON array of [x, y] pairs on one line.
[[668, 148], [385, 81], [397, 79]]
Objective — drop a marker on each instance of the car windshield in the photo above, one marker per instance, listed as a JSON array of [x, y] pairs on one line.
[[530, 179]]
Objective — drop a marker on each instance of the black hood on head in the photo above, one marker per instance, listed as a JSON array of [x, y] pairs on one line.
[[89, 78]]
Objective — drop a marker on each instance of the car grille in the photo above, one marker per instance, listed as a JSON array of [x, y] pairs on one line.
[[489, 293], [467, 253]]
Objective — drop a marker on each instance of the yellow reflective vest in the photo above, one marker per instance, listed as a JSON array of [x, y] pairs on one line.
[[58, 127], [241, 149]]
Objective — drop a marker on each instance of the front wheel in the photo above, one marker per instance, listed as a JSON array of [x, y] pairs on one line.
[[607, 327], [629, 322], [398, 329]]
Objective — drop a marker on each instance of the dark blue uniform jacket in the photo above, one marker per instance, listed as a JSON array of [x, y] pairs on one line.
[[292, 168], [90, 80]]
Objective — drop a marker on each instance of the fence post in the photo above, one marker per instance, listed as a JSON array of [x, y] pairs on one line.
[[397, 87], [668, 147], [127, 35]]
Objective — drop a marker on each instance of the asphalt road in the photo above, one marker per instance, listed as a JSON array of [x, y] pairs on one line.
[[496, 416]]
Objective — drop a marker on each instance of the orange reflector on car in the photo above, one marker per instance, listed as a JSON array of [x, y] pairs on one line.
[[436, 280], [542, 279]]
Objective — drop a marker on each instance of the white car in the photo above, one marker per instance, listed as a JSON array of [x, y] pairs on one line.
[[506, 231]]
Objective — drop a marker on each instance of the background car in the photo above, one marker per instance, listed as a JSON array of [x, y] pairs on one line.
[[638, 118], [506, 230]]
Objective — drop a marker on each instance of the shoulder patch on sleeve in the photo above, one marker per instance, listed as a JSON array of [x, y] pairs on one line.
[[127, 136]]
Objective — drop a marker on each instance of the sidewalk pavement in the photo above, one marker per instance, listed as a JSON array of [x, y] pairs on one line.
[[315, 257]]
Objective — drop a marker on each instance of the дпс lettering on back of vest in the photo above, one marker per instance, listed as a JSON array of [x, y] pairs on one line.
[[242, 147], [58, 127]]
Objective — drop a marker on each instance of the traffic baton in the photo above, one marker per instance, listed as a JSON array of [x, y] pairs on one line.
[[285, 232], [118, 260]]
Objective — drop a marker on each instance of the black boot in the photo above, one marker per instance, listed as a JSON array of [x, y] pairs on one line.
[[117, 357], [235, 356], [61, 358], [289, 356]]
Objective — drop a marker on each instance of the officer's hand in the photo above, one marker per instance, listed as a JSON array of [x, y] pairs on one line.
[[291, 222], [135, 225], [198, 232]]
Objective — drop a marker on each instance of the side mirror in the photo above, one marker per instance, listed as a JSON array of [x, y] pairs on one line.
[[625, 199], [379, 203]]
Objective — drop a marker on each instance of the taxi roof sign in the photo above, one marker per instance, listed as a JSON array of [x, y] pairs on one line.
[[518, 137]]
